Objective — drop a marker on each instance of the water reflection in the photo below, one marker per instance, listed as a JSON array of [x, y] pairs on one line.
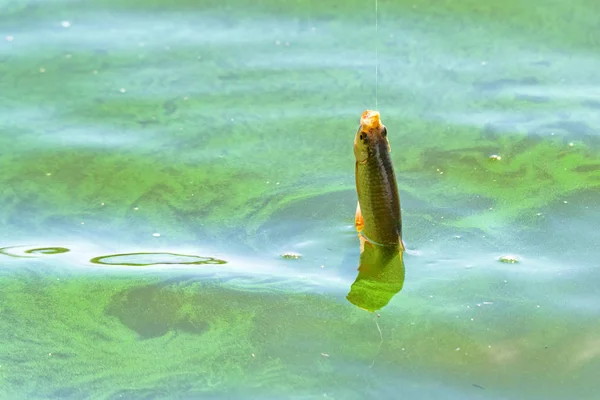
[[380, 276], [154, 310]]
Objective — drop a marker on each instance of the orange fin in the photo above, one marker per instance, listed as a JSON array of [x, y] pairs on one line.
[[358, 219]]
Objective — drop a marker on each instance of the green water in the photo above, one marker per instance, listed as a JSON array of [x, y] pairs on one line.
[[158, 158]]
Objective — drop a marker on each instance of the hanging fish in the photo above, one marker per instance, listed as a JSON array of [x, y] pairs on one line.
[[378, 219], [378, 216]]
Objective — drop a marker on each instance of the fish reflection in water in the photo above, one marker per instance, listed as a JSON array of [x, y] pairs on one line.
[[380, 276]]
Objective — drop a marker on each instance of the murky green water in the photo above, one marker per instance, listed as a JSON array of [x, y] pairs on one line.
[[157, 158]]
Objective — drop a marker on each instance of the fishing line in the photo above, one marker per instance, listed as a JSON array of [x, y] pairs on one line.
[[376, 54], [380, 340]]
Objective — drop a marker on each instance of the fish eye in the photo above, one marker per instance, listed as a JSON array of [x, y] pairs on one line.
[[363, 136], [384, 132]]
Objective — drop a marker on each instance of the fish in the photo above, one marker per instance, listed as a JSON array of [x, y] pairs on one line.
[[378, 218]]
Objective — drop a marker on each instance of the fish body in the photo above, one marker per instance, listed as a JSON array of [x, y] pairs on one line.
[[378, 216], [378, 219]]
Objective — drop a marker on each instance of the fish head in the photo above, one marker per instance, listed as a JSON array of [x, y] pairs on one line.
[[371, 137]]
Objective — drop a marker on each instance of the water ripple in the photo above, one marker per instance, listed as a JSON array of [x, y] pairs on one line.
[[31, 253], [146, 259]]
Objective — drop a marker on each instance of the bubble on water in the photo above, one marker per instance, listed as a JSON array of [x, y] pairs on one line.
[[122, 90], [495, 157], [509, 259], [65, 24], [291, 256], [156, 234], [9, 38]]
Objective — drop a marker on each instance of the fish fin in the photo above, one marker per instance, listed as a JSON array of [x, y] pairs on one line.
[[362, 242], [358, 219], [401, 245], [389, 147]]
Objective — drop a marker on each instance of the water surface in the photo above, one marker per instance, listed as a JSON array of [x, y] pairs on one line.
[[187, 147]]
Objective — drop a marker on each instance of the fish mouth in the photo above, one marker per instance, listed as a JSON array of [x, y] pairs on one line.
[[370, 120]]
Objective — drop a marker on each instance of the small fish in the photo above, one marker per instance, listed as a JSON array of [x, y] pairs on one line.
[[378, 217], [378, 220]]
